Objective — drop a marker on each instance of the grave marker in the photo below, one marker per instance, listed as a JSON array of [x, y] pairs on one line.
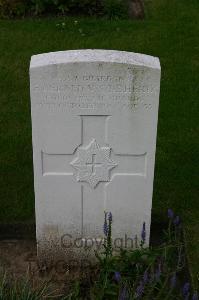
[[94, 121]]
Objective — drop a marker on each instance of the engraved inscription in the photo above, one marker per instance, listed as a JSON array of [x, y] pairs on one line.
[[84, 91], [87, 104]]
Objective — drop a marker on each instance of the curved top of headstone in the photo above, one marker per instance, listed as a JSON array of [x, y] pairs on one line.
[[94, 55]]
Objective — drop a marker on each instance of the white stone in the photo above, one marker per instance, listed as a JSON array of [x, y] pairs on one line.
[[94, 122]]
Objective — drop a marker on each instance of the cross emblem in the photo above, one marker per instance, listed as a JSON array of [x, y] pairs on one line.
[[93, 164]]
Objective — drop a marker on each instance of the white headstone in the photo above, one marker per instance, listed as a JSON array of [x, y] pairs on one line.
[[94, 122]]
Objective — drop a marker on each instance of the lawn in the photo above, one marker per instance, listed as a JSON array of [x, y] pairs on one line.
[[170, 31]]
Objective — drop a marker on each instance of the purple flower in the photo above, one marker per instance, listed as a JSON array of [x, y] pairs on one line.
[[117, 276], [176, 221], [140, 290], [180, 256], [143, 234], [145, 277], [185, 289], [158, 273], [105, 227], [151, 277], [173, 281], [195, 296], [124, 294], [170, 213], [110, 217]]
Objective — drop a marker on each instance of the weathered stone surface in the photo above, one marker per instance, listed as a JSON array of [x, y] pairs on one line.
[[94, 120]]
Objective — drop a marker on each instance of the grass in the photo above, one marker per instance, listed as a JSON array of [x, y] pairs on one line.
[[11, 289], [170, 31]]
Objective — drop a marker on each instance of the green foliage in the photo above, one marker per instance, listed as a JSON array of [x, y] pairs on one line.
[[143, 273], [13, 8], [147, 271], [114, 9], [110, 8], [21, 290]]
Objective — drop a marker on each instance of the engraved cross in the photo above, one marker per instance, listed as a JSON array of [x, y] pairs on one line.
[[93, 163]]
